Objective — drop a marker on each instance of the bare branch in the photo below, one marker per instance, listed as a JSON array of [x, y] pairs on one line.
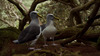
[[6, 22], [22, 5], [17, 5], [82, 25], [79, 8], [88, 24], [34, 4]]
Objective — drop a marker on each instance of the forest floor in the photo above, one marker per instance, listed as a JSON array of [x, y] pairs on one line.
[[75, 49]]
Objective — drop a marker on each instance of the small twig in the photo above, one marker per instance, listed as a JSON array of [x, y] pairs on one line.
[[6, 22]]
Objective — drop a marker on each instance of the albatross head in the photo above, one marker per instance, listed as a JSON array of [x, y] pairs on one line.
[[34, 14]]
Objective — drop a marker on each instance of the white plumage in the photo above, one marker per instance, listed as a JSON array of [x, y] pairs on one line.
[[50, 30]]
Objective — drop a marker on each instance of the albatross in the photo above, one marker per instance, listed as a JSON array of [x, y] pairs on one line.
[[32, 32], [48, 29]]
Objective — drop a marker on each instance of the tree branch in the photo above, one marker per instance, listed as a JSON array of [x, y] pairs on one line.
[[22, 5], [92, 17], [6, 22], [17, 5], [77, 9], [97, 23], [34, 4]]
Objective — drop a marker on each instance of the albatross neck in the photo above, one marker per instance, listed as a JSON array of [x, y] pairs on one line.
[[34, 21], [49, 22]]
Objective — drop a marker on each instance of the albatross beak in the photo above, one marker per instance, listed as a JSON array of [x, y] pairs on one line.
[[56, 18], [39, 16]]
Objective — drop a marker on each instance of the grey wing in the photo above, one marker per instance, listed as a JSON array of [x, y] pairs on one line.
[[29, 34], [23, 33]]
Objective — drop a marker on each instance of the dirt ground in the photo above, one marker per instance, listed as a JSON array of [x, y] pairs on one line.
[[75, 49]]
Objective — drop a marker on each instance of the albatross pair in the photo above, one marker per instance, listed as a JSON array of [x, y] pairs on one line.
[[34, 30]]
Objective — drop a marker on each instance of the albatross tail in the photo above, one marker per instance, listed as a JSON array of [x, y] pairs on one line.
[[16, 41]]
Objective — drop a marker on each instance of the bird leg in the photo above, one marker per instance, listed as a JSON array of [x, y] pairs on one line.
[[33, 43], [45, 41], [53, 42]]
